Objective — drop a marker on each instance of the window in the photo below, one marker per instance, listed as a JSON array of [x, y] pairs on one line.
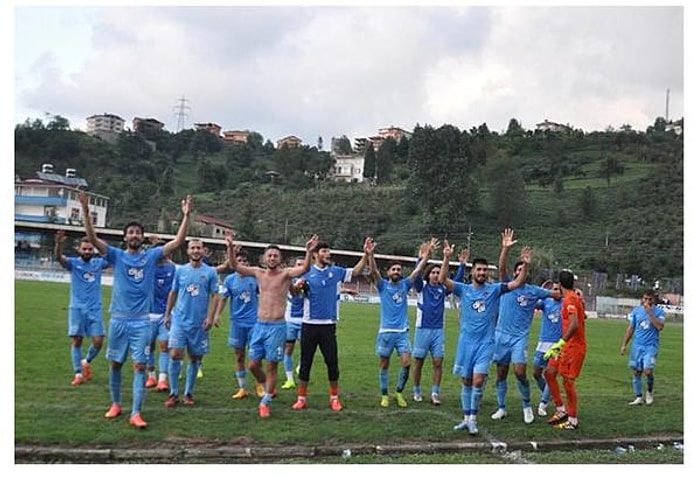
[[93, 216], [75, 214]]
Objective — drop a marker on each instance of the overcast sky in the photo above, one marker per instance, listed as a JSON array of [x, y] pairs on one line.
[[338, 70]]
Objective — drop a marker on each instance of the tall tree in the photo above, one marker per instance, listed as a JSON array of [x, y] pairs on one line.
[[509, 203], [370, 168]]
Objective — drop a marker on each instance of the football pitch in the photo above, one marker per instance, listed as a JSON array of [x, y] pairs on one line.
[[50, 412]]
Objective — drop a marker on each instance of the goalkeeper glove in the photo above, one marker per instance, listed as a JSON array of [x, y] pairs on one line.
[[555, 349]]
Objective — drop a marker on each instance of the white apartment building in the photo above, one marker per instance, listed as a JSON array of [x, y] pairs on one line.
[[54, 198]]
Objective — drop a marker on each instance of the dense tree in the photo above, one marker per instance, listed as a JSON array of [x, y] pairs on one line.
[[509, 203]]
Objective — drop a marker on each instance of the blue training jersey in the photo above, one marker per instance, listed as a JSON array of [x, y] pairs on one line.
[[243, 291], [550, 325], [165, 273], [194, 287], [517, 309], [393, 298], [430, 307], [645, 334], [478, 309], [134, 281], [295, 305], [86, 282], [322, 297]]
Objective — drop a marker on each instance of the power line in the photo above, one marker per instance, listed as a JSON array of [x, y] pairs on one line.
[[181, 109]]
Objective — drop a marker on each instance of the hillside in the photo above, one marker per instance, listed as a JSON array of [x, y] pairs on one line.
[[610, 202]]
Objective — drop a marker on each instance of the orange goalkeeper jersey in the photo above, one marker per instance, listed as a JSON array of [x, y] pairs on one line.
[[572, 304]]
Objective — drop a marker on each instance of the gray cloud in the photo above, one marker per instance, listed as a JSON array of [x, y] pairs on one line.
[[329, 71]]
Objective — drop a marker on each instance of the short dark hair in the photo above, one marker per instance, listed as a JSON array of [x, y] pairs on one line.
[[480, 260], [566, 279], [242, 253], [134, 224], [321, 245], [272, 246]]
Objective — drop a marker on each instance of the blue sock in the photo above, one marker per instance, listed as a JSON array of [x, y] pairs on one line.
[[501, 391], [115, 385], [416, 389], [637, 385], [403, 377], [545, 395], [266, 399], [191, 376], [650, 382], [435, 389], [524, 388], [541, 383], [477, 394], [163, 362], [240, 377], [466, 398], [384, 381], [92, 352], [288, 363], [175, 367], [139, 388], [76, 355]]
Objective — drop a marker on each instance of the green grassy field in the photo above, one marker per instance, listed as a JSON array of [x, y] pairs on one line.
[[48, 411]]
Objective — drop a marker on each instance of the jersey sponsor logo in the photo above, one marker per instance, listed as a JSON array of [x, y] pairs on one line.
[[135, 272], [89, 276], [245, 296], [397, 298], [553, 318], [522, 301], [479, 305], [192, 290]]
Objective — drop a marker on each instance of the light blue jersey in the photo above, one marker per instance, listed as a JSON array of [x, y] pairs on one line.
[[322, 298], [517, 309], [393, 304], [85, 282], [243, 291], [194, 286], [165, 274], [479, 308], [645, 334], [134, 281], [550, 325]]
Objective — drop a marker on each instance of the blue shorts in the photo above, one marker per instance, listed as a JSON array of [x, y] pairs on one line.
[[429, 341], [267, 341], [194, 338], [158, 330], [538, 360], [293, 331], [129, 335], [239, 336], [643, 357], [388, 341], [472, 358], [85, 322], [509, 348]]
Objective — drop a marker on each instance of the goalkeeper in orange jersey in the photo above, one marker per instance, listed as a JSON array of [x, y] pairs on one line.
[[566, 355]]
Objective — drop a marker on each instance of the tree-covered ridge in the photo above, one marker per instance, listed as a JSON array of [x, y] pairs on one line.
[[608, 201]]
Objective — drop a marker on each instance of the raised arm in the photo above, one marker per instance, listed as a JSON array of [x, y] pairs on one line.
[[447, 250], [374, 274], [233, 249], [507, 242], [462, 257], [362, 263], [173, 244], [424, 254], [525, 256], [58, 254], [300, 270], [100, 245]]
